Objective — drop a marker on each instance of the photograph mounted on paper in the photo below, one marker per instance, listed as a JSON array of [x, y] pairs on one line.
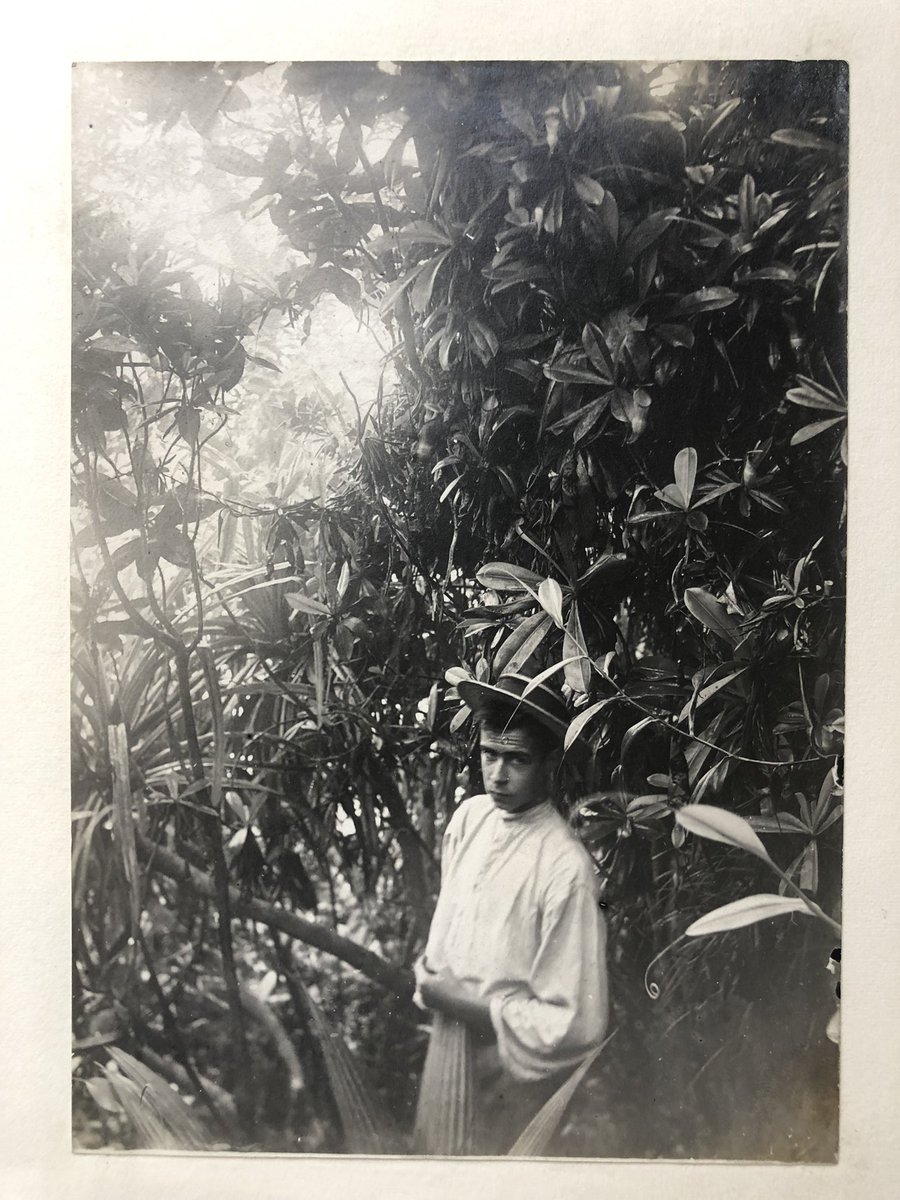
[[458, 577]]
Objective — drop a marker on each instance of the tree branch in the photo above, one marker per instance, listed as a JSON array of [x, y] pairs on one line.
[[392, 978]]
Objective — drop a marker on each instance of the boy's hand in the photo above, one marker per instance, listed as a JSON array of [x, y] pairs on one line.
[[444, 992]]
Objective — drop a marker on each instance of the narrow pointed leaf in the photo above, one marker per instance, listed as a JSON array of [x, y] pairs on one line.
[[420, 292], [811, 394], [781, 822], [507, 577], [705, 693], [644, 235], [306, 604], [705, 300], [457, 674], [802, 139], [720, 825], [630, 736], [672, 494], [545, 674], [597, 351], [578, 672], [811, 431], [398, 287], [712, 613], [583, 719], [589, 190], [536, 1135], [551, 600], [722, 490], [522, 643], [686, 472], [747, 911], [425, 232], [460, 717]]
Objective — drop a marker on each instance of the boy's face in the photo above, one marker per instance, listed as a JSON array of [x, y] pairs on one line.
[[515, 767]]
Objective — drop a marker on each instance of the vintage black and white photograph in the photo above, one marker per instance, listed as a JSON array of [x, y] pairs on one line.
[[458, 577]]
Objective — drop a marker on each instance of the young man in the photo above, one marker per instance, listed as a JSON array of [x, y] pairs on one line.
[[515, 964]]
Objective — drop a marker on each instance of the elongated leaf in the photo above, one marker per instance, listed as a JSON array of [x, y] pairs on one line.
[[672, 494], [722, 490], [520, 117], [123, 815], [781, 822], [747, 911], [607, 570], [589, 190], [535, 1137], [676, 335], [642, 518], [709, 784], [103, 1095], [551, 600], [708, 691], [809, 869], [720, 825], [399, 286], [460, 717], [563, 372], [768, 275], [630, 736], [450, 489], [392, 160], [578, 672], [522, 643], [718, 117], [645, 234], [118, 343], [802, 139], [597, 350], [705, 300], [747, 204], [584, 717], [156, 1109], [218, 726], [548, 671], [456, 675], [420, 292], [686, 472], [507, 577], [346, 154], [306, 604], [589, 417], [712, 613], [811, 394], [422, 231], [813, 430]]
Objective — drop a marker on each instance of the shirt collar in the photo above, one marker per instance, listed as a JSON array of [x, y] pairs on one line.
[[529, 816]]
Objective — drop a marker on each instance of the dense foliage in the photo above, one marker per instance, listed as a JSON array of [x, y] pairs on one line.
[[608, 443]]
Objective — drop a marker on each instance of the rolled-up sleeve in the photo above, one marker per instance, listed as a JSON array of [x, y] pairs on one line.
[[563, 1012]]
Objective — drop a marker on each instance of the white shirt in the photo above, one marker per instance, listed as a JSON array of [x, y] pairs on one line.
[[517, 920]]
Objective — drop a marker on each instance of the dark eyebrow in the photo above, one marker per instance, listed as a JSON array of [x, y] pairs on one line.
[[509, 752]]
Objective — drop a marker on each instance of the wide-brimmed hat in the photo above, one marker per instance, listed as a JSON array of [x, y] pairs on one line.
[[543, 702]]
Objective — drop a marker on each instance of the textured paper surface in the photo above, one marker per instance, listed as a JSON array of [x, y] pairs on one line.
[[35, 1159]]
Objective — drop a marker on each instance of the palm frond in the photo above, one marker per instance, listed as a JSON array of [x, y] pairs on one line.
[[535, 1137]]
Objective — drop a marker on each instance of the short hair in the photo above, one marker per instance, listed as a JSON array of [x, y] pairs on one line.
[[497, 716]]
